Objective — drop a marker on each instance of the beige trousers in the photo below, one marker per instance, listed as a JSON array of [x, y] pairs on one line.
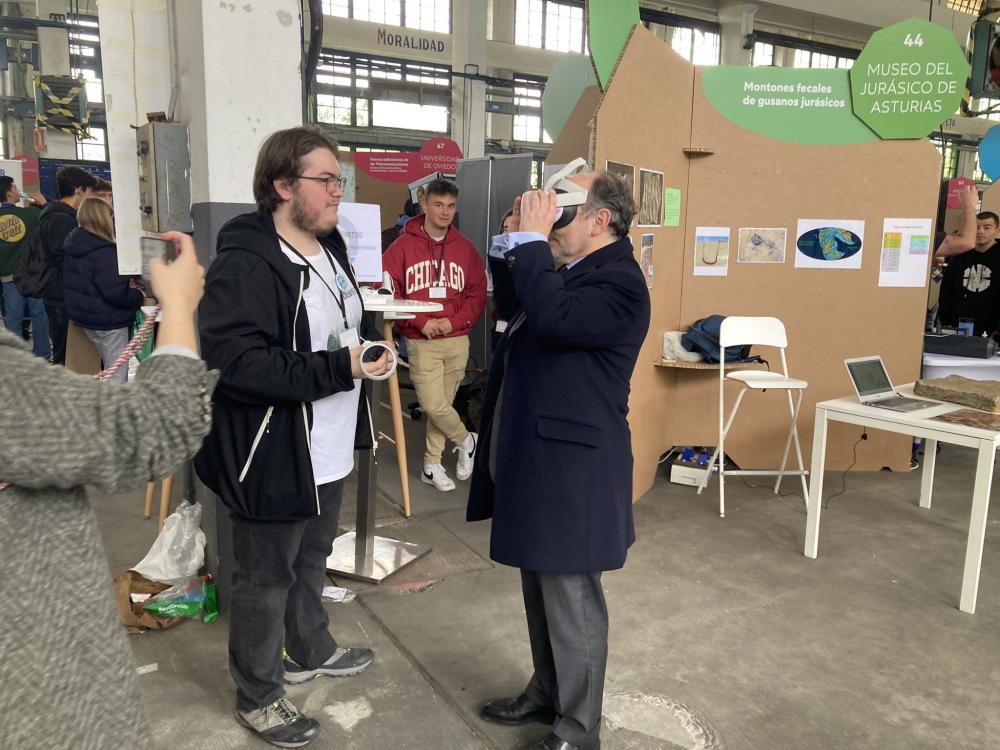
[[437, 367]]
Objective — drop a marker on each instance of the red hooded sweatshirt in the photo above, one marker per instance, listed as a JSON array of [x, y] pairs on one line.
[[417, 263]]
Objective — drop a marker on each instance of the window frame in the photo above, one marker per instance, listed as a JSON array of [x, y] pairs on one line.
[[402, 17], [576, 4], [330, 59]]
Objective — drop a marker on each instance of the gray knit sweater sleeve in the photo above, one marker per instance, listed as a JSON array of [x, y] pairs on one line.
[[62, 430]]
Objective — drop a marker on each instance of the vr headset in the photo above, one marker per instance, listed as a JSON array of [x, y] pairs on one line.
[[569, 195]]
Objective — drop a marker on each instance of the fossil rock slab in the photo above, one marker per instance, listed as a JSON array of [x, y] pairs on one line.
[[979, 394]]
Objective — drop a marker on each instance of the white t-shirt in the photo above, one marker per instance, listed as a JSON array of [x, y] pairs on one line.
[[335, 417]]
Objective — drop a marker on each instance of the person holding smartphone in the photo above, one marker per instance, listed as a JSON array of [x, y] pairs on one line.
[[69, 678], [283, 321]]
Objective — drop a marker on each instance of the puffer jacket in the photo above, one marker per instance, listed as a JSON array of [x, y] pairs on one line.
[[97, 297]]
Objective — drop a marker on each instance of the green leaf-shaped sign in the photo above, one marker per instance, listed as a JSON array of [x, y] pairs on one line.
[[908, 79], [609, 23], [800, 105]]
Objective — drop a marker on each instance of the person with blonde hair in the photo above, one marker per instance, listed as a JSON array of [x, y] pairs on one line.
[[99, 300]]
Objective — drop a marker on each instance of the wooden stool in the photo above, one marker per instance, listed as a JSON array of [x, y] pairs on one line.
[[165, 488]]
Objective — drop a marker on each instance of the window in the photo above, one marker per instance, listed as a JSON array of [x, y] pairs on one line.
[[987, 108], [362, 91], [549, 24], [528, 110], [807, 58], [700, 47], [95, 148], [966, 6], [85, 56], [763, 54], [427, 15]]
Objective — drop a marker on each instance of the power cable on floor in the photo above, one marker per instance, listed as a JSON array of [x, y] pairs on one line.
[[843, 476]]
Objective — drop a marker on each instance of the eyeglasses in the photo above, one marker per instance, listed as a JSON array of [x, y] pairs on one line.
[[332, 183]]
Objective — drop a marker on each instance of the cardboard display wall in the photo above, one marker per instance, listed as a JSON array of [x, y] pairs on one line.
[[750, 180]]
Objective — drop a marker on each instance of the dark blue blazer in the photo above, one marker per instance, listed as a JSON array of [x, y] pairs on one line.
[[561, 497], [97, 297]]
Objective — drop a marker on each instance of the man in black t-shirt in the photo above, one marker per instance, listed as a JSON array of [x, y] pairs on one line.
[[971, 285]]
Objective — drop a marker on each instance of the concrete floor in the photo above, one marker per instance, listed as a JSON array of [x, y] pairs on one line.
[[722, 634]]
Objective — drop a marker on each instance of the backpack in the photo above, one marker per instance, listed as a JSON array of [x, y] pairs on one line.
[[35, 272], [703, 337]]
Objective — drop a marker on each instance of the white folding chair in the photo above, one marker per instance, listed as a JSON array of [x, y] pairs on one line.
[[738, 331]]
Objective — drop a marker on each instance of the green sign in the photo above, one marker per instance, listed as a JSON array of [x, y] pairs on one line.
[[800, 105], [671, 207], [909, 78], [609, 23]]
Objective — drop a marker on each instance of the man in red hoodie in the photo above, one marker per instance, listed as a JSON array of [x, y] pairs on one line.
[[432, 261]]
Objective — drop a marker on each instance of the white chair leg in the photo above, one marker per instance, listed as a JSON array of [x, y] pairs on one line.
[[722, 453], [788, 445], [708, 472], [798, 448]]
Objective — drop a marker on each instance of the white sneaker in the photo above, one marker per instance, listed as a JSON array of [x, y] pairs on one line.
[[436, 475], [466, 453]]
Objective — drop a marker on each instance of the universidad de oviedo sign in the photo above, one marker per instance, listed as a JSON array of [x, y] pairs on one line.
[[908, 79]]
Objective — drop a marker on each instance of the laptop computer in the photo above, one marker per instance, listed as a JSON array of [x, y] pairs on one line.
[[872, 384]]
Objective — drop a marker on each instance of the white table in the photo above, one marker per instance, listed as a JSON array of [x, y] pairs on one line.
[[918, 424], [976, 368]]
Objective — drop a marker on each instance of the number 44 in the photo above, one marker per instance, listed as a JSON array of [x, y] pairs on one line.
[[914, 41]]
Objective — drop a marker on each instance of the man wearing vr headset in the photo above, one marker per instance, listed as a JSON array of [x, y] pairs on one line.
[[554, 469]]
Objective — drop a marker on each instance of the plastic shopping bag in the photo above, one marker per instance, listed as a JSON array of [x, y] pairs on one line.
[[179, 551], [194, 597]]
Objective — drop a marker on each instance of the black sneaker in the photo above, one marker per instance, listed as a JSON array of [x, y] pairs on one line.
[[280, 724], [344, 663]]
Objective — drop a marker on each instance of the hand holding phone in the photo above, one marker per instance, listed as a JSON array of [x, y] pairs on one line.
[[178, 285], [156, 248]]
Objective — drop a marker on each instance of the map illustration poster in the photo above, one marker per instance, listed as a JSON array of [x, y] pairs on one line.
[[711, 251], [761, 245], [829, 243]]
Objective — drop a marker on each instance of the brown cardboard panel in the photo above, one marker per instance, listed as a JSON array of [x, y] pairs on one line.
[[990, 202], [390, 196], [755, 181], [574, 140], [644, 120], [81, 355]]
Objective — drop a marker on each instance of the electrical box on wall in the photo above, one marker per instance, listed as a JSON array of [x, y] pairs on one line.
[[164, 176]]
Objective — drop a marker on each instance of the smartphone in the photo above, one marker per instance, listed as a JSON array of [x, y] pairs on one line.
[[154, 247]]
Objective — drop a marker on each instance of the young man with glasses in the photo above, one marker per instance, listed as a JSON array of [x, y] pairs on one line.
[[282, 320], [433, 261]]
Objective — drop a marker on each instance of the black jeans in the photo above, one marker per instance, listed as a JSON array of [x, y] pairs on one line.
[[277, 588], [58, 326]]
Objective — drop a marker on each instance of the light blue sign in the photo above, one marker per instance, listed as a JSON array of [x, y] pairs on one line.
[[989, 153]]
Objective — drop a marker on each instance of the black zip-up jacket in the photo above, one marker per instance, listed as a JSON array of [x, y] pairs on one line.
[[58, 219], [254, 329]]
